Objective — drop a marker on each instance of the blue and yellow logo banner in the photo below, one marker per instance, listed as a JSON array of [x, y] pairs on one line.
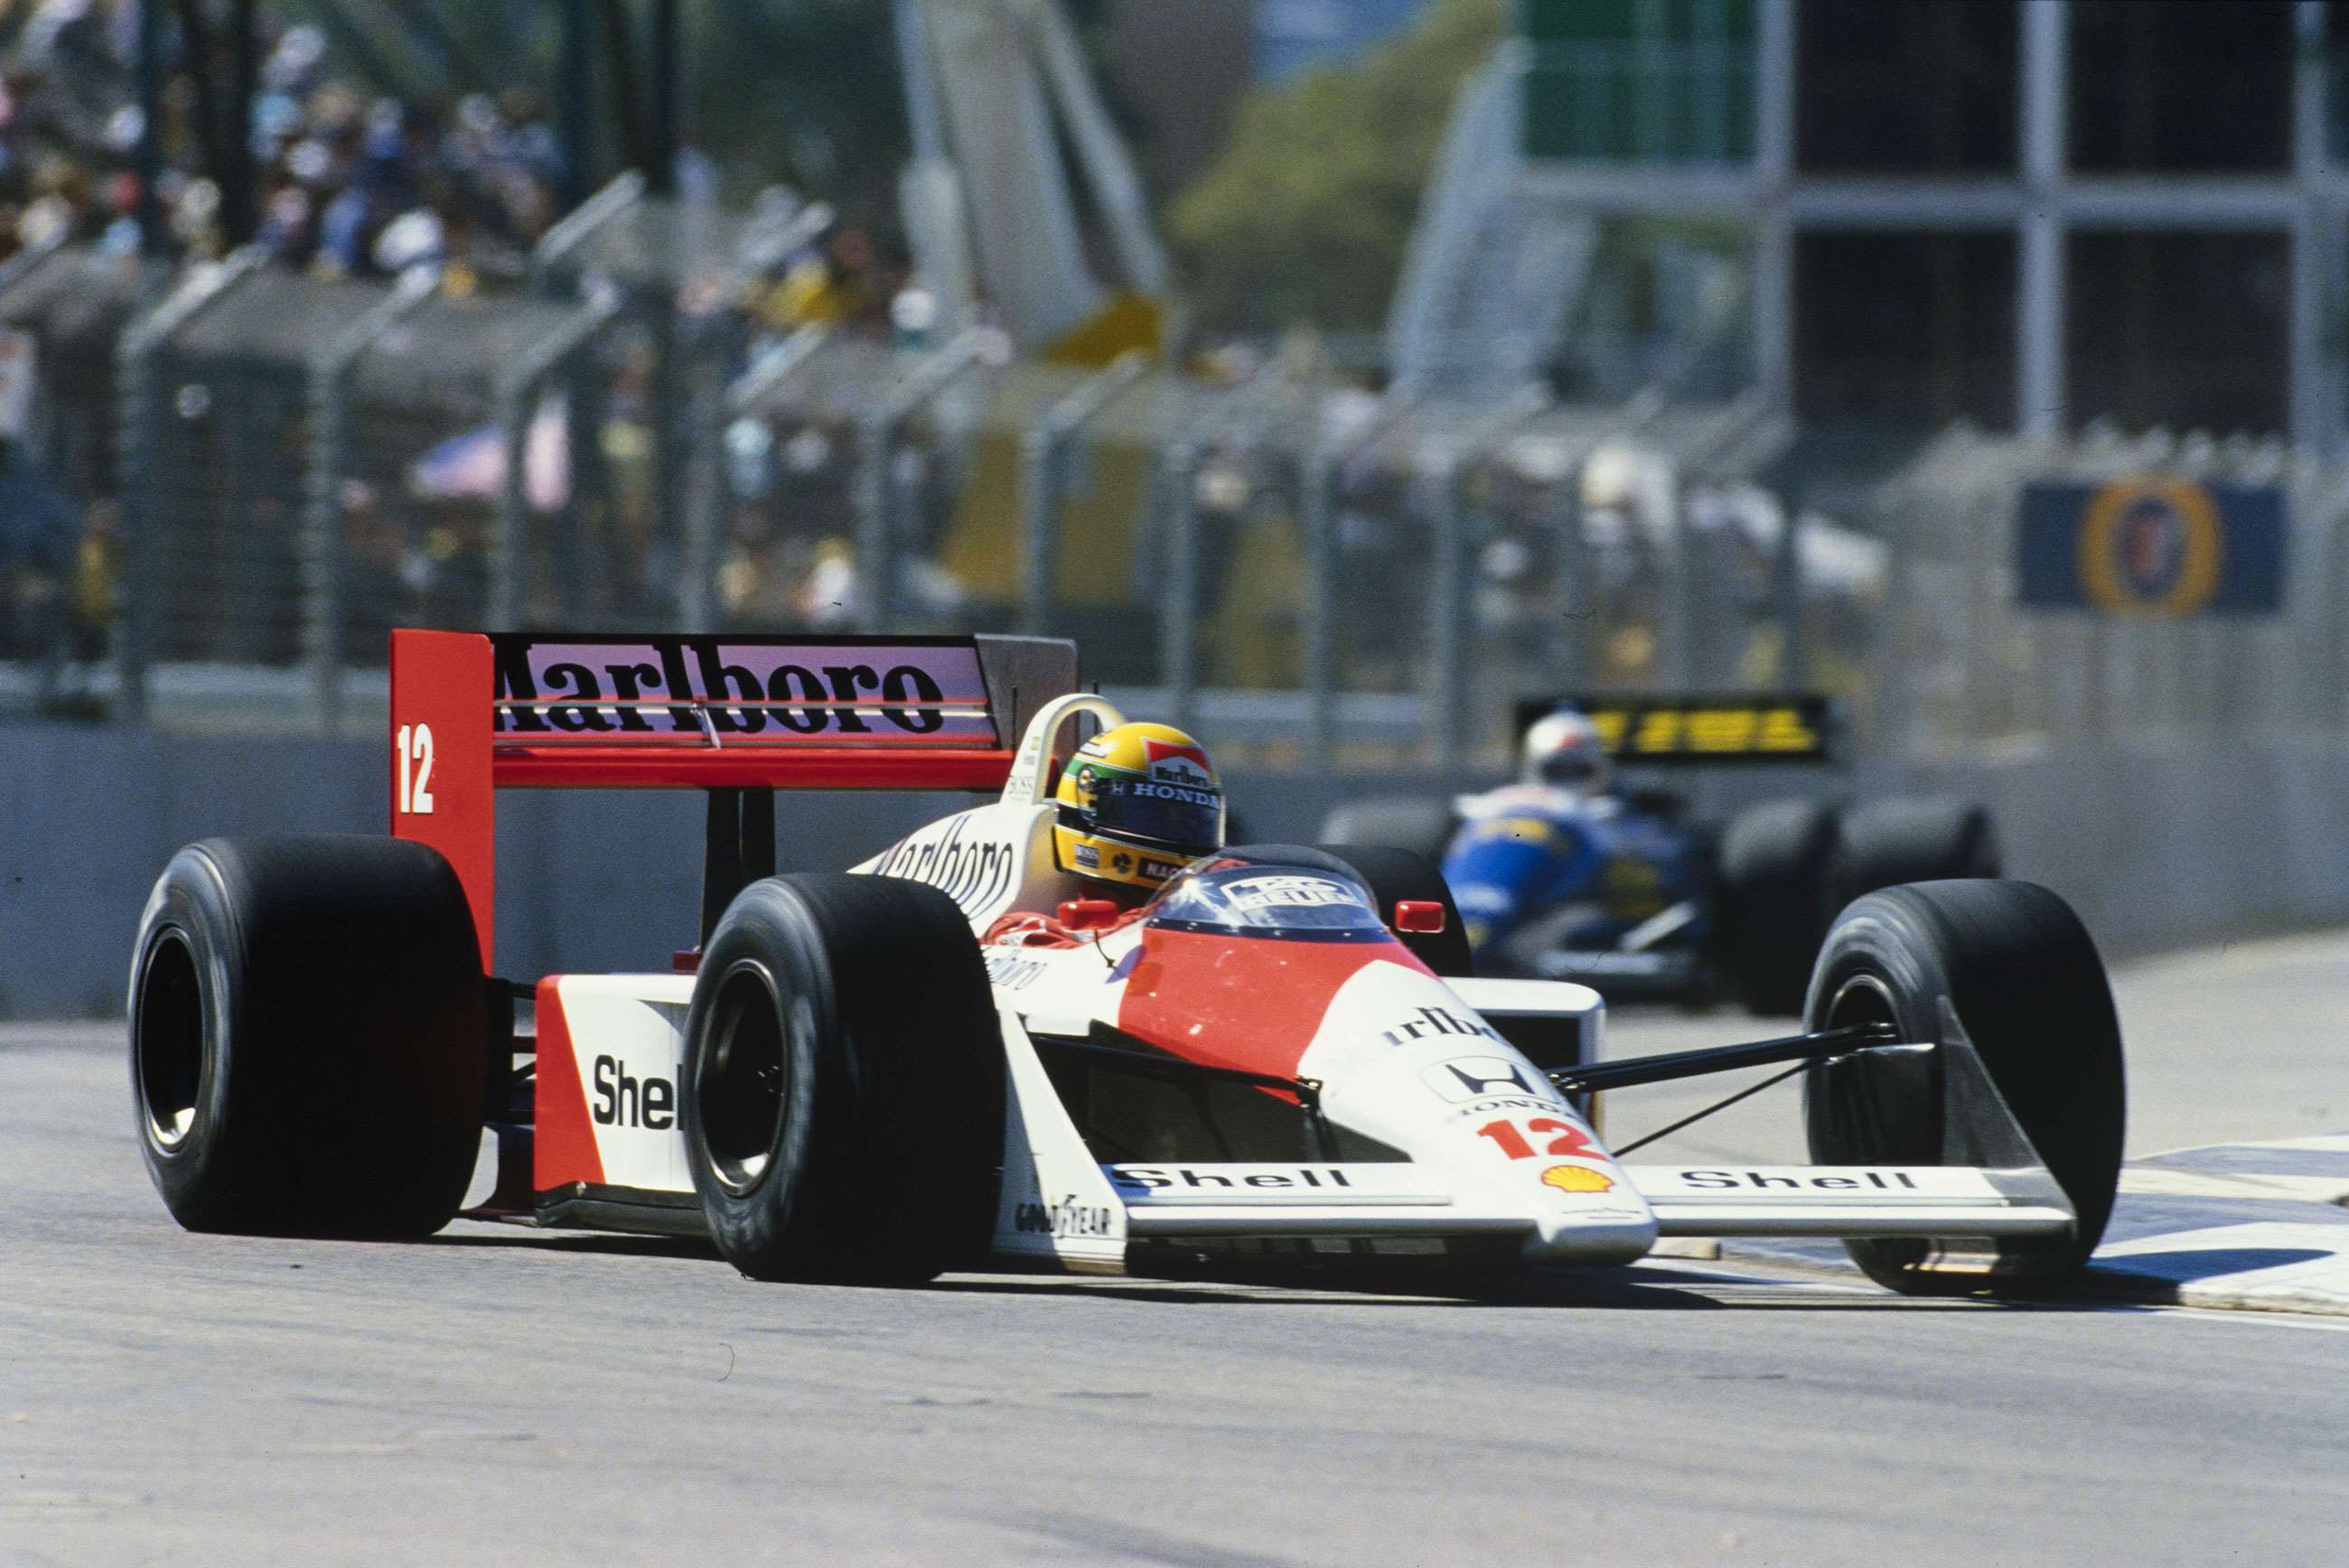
[[2152, 546]]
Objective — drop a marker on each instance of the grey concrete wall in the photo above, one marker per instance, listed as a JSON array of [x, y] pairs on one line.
[[2155, 850]]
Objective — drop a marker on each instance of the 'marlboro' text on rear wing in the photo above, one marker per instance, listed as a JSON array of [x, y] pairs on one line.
[[474, 713]]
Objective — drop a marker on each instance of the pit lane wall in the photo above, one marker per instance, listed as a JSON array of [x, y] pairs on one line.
[[2156, 849]]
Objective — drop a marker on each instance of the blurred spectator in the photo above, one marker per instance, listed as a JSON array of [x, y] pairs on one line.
[[37, 545], [95, 593], [345, 185], [381, 575]]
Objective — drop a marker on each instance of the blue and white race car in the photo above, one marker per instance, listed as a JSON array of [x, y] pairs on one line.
[[1561, 875]]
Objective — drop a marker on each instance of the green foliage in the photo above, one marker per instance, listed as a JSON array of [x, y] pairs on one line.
[[805, 92], [1306, 216]]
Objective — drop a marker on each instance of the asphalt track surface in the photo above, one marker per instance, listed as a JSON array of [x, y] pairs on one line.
[[506, 1395]]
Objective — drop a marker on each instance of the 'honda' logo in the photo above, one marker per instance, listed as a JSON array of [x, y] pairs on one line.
[[1475, 1078]]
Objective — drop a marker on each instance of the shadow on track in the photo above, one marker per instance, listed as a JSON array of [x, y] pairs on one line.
[[1642, 1289]]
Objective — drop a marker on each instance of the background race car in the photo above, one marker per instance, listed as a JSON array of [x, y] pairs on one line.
[[1633, 891]]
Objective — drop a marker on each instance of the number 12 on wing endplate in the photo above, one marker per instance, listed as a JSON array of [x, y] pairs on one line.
[[411, 753]]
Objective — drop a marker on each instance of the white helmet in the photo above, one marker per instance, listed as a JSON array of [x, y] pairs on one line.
[[1564, 749]]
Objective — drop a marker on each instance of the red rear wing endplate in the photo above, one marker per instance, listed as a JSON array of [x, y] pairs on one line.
[[472, 713]]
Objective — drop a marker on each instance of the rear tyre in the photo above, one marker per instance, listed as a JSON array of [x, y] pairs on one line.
[[1886, 843], [307, 1037], [1393, 875], [2017, 969], [1422, 826], [1771, 912], [842, 1097]]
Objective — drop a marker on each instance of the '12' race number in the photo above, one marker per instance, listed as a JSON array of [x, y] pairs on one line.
[[411, 754], [1569, 1139]]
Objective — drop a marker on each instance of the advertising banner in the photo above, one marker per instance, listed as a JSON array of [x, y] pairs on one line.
[[2152, 546]]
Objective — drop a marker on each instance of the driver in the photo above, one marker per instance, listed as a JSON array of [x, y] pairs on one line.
[[1563, 750], [1136, 804]]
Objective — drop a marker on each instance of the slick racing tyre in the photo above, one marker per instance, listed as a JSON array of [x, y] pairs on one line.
[[1410, 823], [1885, 843], [309, 1044], [843, 1096], [1771, 910], [1393, 875], [2011, 963]]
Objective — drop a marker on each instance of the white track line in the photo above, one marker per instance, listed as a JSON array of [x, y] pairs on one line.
[[2327, 1143], [2142, 1181]]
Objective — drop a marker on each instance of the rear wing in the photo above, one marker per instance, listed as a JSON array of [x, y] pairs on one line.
[[472, 713], [1683, 728]]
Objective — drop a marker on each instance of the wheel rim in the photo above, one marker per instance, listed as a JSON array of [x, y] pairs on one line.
[[1862, 999], [744, 1082], [169, 1041]]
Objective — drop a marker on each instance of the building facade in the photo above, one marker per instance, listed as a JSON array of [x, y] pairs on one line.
[[2030, 213]]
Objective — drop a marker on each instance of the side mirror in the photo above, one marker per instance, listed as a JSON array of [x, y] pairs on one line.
[[1423, 916], [1088, 913]]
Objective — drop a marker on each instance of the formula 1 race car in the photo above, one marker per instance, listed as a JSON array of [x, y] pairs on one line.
[[1282, 1058], [1631, 893]]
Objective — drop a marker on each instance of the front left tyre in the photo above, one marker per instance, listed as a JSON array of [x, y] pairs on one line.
[[843, 1100], [309, 1037]]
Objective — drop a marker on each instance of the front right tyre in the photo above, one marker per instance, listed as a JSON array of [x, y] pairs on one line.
[[2014, 969]]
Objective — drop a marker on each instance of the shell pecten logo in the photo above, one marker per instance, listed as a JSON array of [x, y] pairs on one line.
[[1576, 1178]]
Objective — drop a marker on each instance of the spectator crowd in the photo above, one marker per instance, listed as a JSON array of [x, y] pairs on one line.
[[347, 183]]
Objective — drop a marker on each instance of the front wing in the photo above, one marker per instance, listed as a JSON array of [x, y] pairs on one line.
[[1060, 1207]]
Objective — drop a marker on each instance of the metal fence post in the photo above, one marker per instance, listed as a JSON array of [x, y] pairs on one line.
[[1316, 498], [1178, 611], [1787, 591], [330, 371], [1043, 454], [1449, 692], [518, 391], [1578, 601], [141, 443], [716, 410], [616, 199], [876, 481], [1316, 482], [1039, 497]]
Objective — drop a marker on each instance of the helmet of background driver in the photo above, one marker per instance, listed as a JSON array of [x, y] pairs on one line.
[[1136, 804], [1564, 749]]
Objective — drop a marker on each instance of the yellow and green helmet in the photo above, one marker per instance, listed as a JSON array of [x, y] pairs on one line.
[[1137, 803]]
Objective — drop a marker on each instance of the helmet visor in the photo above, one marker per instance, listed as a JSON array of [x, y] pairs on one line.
[[1572, 765], [1175, 815]]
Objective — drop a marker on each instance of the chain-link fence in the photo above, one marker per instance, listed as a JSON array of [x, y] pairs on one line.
[[62, 310], [1963, 665], [233, 482]]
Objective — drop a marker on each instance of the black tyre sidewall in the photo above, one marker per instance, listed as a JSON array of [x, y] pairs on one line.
[[882, 1162], [1394, 875], [1423, 826], [1886, 843], [769, 940], [344, 1036], [1771, 910], [2028, 987]]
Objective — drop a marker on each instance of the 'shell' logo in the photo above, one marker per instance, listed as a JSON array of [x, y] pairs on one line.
[[1576, 1178]]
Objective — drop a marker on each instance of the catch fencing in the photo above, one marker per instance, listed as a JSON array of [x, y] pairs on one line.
[[243, 476]]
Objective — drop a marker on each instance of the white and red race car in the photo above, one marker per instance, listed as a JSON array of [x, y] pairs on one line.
[[1282, 1056]]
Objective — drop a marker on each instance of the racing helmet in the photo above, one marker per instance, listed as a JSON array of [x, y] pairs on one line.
[[1564, 749], [1136, 804]]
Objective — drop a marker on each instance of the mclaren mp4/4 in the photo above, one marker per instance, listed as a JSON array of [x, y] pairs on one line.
[[1284, 1056]]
